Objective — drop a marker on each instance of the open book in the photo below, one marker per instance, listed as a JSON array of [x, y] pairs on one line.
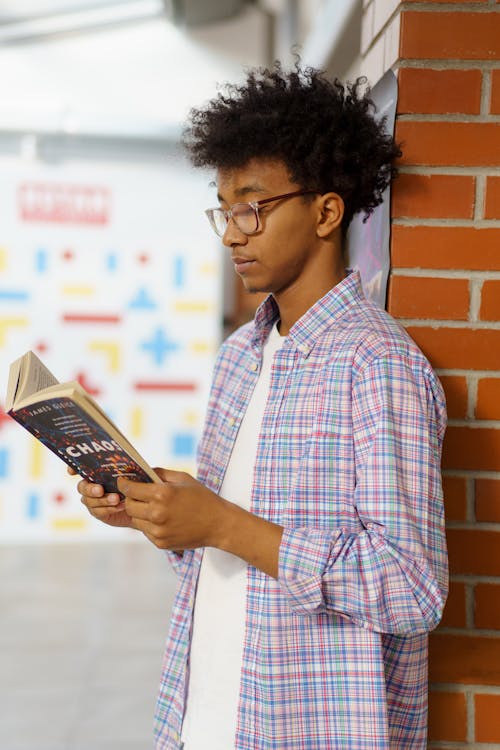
[[65, 418]]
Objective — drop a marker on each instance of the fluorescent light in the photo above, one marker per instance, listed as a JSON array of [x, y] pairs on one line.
[[62, 23]]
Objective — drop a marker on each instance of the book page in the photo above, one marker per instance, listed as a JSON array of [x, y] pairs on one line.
[[34, 377], [13, 383]]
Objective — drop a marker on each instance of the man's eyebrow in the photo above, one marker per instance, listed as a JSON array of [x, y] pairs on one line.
[[242, 192]]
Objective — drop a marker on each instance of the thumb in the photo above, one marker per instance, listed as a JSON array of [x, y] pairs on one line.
[[174, 477]]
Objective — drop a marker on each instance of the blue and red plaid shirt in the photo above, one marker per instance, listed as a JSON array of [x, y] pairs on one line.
[[335, 650]]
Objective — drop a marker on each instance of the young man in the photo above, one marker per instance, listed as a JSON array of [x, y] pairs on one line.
[[310, 551]]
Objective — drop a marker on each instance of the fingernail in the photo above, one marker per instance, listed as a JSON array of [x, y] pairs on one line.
[[113, 499], [95, 491]]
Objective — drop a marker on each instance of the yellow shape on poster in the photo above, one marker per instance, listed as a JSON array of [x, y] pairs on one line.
[[201, 346], [78, 290], [36, 459], [208, 269], [6, 323], [186, 468], [69, 524], [3, 259], [137, 422], [191, 418], [111, 349], [193, 307]]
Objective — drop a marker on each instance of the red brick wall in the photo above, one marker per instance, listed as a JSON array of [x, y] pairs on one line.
[[445, 287]]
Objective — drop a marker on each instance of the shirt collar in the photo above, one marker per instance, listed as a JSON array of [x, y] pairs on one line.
[[320, 317]]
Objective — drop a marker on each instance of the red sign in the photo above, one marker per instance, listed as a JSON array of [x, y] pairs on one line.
[[64, 204]]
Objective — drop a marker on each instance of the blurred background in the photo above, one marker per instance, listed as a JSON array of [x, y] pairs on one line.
[[111, 274]]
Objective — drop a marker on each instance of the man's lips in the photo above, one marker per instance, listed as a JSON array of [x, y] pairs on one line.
[[241, 264]]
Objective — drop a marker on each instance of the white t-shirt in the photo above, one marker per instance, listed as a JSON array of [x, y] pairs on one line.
[[219, 614]]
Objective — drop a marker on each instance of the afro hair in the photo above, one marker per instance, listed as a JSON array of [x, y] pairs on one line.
[[324, 132]]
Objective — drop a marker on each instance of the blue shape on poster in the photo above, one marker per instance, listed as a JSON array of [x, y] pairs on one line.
[[179, 271], [41, 260], [14, 295], [142, 301], [160, 346], [112, 262], [4, 462], [33, 505], [183, 444]]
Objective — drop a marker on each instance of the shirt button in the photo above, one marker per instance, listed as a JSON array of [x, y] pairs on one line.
[[231, 421], [303, 349], [254, 366]]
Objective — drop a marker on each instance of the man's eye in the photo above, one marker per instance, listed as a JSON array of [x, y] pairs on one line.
[[242, 210]]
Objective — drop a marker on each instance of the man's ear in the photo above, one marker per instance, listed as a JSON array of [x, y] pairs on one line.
[[331, 213]]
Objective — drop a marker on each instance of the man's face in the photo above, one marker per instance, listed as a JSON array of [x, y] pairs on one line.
[[281, 255]]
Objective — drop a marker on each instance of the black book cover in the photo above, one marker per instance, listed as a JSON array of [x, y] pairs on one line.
[[71, 433]]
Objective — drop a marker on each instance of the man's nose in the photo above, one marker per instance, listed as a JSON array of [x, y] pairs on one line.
[[233, 235]]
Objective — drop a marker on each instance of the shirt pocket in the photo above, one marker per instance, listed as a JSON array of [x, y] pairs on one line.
[[323, 483]]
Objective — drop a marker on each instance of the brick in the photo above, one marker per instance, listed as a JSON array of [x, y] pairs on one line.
[[474, 552], [464, 248], [455, 497], [433, 196], [454, 615], [455, 388], [457, 144], [473, 448], [448, 36], [425, 91], [492, 203], [447, 716], [488, 399], [427, 297], [487, 606], [487, 717], [495, 92], [487, 500], [430, 2], [459, 348], [464, 659], [490, 301]]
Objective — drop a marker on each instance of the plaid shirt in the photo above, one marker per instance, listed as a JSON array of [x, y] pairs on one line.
[[335, 650]]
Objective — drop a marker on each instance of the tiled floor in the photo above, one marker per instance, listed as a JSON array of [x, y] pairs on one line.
[[82, 629]]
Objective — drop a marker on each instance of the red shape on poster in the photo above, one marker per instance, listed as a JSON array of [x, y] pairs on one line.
[[164, 386], [4, 418], [41, 347], [50, 202], [90, 318], [85, 383]]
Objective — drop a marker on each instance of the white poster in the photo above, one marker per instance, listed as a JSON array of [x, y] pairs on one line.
[[110, 273], [368, 241]]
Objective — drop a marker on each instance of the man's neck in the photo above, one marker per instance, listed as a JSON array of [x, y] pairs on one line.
[[293, 303]]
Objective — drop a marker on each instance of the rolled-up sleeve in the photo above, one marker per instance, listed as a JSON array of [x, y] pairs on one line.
[[391, 574]]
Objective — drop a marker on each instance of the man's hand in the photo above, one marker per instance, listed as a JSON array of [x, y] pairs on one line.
[[179, 514], [183, 514], [108, 508]]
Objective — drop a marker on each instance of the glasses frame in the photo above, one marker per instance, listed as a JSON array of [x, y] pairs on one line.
[[254, 205]]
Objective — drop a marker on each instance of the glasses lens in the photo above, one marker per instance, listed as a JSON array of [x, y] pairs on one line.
[[217, 219], [245, 217]]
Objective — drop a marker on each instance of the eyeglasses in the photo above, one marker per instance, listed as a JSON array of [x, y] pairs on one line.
[[245, 215]]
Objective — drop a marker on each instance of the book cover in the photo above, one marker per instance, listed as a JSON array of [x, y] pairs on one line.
[[67, 420], [64, 427]]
